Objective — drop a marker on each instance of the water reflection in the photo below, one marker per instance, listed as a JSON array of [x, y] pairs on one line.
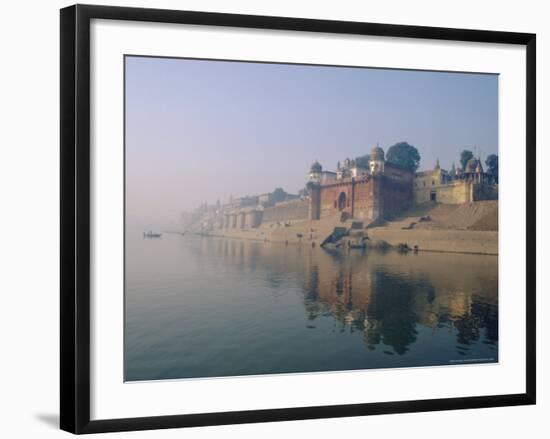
[[386, 295], [280, 308]]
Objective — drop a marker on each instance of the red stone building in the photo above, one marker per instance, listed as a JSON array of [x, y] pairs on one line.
[[363, 193]]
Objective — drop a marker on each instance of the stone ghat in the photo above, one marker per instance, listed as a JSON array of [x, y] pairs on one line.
[[451, 241], [477, 215], [313, 233], [298, 232], [287, 211]]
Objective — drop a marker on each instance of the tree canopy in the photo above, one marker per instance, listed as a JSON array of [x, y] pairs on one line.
[[404, 155], [492, 165], [464, 157], [279, 195]]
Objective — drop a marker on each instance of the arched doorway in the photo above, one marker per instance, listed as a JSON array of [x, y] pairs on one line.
[[341, 201]]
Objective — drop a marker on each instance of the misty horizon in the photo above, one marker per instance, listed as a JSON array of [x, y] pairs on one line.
[[200, 131]]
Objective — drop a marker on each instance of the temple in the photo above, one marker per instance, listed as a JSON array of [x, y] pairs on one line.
[[369, 189], [360, 190], [457, 186]]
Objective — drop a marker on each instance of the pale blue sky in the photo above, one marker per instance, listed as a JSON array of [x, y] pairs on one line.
[[202, 130]]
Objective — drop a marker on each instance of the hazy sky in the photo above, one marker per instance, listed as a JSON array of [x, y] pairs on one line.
[[202, 130]]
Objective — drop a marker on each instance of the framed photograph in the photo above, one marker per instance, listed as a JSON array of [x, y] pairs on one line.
[[273, 218]]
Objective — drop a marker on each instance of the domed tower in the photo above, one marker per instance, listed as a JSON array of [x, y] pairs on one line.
[[376, 162], [479, 168], [473, 166], [470, 165], [315, 172], [453, 172], [474, 170]]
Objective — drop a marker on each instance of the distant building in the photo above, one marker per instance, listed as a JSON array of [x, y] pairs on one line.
[[455, 187], [266, 199], [317, 175], [366, 193], [368, 189]]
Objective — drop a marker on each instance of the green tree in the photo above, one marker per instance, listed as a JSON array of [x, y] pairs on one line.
[[492, 165], [279, 195], [464, 157], [404, 155]]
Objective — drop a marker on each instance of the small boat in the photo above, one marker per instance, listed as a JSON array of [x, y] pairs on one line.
[[151, 234]]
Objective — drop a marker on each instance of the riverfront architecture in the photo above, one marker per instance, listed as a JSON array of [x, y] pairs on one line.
[[368, 190], [367, 193]]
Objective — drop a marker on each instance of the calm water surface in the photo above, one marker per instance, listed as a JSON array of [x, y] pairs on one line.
[[204, 307]]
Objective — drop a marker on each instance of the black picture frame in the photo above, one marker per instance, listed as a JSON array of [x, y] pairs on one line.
[[75, 217]]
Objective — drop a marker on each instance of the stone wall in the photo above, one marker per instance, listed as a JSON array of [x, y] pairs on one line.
[[396, 195], [396, 172], [483, 192], [456, 241], [253, 218], [456, 192], [314, 203], [287, 211], [332, 195], [366, 198]]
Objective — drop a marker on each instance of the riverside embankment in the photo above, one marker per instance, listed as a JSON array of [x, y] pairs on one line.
[[468, 228]]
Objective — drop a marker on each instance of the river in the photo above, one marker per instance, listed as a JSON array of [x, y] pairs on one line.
[[206, 307]]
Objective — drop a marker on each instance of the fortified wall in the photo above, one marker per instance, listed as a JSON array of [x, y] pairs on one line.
[[482, 192], [367, 198], [357, 198], [294, 210], [367, 194], [456, 192], [368, 189], [455, 187]]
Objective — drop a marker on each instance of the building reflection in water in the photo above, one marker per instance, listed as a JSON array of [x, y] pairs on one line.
[[387, 296]]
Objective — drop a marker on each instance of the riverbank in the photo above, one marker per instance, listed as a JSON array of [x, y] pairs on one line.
[[311, 234], [467, 228], [450, 241]]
